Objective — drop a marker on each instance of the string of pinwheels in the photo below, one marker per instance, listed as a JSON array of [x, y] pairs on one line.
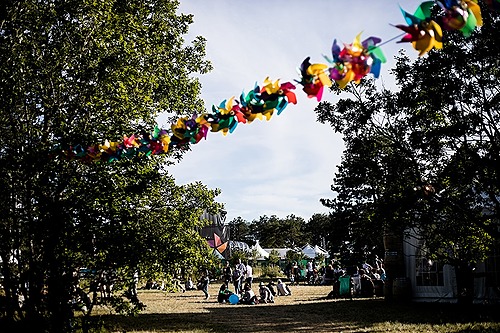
[[348, 64]]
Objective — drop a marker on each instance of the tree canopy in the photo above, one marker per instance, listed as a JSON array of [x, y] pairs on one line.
[[425, 157], [76, 73]]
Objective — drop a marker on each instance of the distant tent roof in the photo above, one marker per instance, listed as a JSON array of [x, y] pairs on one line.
[[308, 251], [312, 252], [322, 251], [282, 252], [263, 254]]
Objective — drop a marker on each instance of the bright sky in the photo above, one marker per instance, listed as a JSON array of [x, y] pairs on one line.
[[285, 165]]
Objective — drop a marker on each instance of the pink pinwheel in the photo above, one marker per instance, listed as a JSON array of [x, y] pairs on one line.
[[130, 142]]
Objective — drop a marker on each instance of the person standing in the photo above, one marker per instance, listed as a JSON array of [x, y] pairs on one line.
[[238, 276], [296, 273], [310, 271], [249, 274], [204, 282], [228, 272]]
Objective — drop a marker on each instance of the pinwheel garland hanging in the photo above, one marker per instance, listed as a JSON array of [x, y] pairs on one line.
[[350, 63], [356, 60]]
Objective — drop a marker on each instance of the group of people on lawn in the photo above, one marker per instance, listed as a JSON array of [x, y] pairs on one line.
[[241, 278], [367, 281]]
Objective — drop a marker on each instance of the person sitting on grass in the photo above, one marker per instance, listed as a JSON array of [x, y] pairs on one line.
[[367, 286], [265, 294], [249, 296], [271, 286], [189, 284], [283, 289], [224, 294]]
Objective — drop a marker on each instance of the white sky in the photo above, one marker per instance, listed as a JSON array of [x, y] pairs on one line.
[[285, 165]]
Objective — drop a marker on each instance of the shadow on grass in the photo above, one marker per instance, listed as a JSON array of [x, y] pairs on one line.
[[324, 316]]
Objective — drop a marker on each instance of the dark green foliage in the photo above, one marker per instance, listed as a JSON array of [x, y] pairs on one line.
[[80, 72], [428, 155], [274, 232]]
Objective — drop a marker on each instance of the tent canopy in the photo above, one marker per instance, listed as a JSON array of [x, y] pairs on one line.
[[308, 251], [312, 252], [263, 254], [321, 251]]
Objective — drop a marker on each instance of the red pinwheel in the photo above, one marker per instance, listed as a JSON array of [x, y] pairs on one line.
[[313, 78]]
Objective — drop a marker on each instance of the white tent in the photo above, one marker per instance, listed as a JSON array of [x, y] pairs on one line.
[[312, 252], [308, 251], [263, 254], [320, 251], [431, 281], [281, 252]]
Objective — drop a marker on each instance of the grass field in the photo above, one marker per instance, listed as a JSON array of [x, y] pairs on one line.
[[307, 310]]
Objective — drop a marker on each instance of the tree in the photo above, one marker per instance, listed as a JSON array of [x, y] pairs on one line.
[[274, 232], [274, 258], [77, 73], [239, 230], [426, 156], [294, 256], [316, 230]]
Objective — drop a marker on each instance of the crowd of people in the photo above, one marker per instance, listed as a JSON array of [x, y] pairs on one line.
[[365, 280], [240, 278]]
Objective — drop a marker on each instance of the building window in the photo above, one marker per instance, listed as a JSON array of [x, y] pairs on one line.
[[428, 272]]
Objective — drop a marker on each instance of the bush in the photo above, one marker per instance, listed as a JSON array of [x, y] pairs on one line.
[[271, 271]]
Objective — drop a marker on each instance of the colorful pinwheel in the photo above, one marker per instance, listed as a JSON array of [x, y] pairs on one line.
[[356, 60], [423, 33], [313, 78], [463, 15], [276, 96]]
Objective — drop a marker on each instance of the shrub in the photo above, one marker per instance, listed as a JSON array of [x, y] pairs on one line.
[[271, 271]]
